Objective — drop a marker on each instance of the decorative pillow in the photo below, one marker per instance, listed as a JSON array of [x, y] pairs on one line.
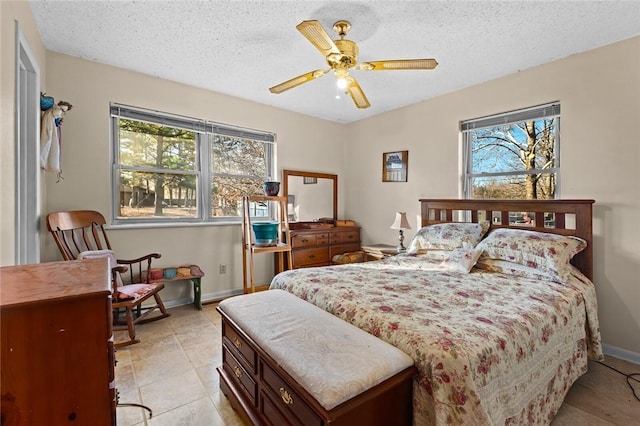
[[549, 253], [511, 268], [447, 236], [98, 254], [461, 260]]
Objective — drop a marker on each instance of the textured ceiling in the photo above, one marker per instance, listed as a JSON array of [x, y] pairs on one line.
[[241, 48]]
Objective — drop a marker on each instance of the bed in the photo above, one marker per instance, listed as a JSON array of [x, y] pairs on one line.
[[499, 314]]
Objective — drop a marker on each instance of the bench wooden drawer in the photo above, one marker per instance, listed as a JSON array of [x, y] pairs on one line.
[[287, 400], [310, 256], [237, 372], [270, 411], [243, 350]]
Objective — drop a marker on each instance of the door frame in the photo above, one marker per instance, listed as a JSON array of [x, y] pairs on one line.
[[27, 153]]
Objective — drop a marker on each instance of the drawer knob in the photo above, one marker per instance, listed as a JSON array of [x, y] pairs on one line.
[[237, 371], [312, 256], [305, 240], [286, 397], [237, 343]]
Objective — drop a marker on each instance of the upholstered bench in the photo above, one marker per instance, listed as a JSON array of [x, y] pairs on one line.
[[286, 361]]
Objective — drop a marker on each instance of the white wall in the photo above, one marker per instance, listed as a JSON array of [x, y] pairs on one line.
[[302, 143], [599, 93], [600, 96]]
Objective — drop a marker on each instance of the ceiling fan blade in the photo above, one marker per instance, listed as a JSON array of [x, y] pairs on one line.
[[358, 96], [297, 81], [314, 32], [399, 64]]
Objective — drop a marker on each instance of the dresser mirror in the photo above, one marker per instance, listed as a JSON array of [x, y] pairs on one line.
[[312, 197]]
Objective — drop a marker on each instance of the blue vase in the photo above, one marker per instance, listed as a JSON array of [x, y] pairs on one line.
[[266, 233]]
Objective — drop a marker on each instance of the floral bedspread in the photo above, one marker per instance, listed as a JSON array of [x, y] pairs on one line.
[[490, 348]]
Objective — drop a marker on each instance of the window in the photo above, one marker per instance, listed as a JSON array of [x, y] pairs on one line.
[[168, 168], [513, 155]]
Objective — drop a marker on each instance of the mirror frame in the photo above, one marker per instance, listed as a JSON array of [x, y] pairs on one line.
[[334, 178]]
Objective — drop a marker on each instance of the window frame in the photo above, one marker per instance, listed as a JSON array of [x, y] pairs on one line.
[[539, 112], [204, 131]]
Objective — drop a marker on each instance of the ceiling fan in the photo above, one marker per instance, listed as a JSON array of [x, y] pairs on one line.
[[342, 56]]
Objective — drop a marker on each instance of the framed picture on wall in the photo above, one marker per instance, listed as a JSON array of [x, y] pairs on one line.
[[394, 166]]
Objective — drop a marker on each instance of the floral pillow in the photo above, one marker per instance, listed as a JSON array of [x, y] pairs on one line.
[[511, 268], [548, 253], [447, 236], [461, 260]]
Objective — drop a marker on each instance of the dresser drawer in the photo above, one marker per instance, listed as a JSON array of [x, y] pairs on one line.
[[237, 372], [286, 400], [336, 237], [350, 237], [310, 256], [306, 240], [244, 350]]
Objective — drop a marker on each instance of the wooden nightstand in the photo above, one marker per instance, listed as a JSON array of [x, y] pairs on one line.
[[379, 251]]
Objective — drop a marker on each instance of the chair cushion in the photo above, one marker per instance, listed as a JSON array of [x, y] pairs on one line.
[[134, 291]]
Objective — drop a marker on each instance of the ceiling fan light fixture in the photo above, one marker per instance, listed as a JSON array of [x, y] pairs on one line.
[[342, 76], [341, 56]]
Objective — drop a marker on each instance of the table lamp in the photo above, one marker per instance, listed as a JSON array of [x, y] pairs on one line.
[[401, 223]]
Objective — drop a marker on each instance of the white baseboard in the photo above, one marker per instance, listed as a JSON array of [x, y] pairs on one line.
[[205, 298], [620, 353], [221, 295]]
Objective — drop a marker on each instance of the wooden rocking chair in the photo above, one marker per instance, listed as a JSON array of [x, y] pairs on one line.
[[79, 235]]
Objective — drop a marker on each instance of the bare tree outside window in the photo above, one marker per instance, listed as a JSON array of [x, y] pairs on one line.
[[514, 160]]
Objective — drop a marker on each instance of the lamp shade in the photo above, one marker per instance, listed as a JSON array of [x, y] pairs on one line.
[[401, 221]]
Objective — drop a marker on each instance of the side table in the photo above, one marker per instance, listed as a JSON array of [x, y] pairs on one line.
[[191, 273]]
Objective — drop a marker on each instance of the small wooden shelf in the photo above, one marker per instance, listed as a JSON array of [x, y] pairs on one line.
[[271, 249], [249, 248]]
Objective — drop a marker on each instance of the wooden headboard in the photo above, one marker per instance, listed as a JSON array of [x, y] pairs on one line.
[[565, 217]]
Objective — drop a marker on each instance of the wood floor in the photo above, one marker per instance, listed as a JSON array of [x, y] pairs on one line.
[[172, 370]]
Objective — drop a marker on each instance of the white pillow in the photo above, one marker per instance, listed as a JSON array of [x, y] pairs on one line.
[[461, 259], [447, 236]]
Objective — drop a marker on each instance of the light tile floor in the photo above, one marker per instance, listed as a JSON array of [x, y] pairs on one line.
[[173, 371]]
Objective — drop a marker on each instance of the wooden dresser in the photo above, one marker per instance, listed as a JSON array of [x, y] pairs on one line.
[[316, 246], [57, 345]]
